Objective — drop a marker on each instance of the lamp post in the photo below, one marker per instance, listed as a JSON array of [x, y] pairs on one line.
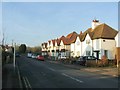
[[14, 56]]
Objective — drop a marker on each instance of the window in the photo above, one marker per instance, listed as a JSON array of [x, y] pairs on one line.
[[106, 53], [78, 43], [88, 41], [52, 50], [88, 53]]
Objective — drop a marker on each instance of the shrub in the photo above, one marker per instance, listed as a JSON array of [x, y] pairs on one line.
[[104, 60], [72, 60]]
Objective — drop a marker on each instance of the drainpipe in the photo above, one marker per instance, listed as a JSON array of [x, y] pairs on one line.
[[118, 57], [81, 48], [74, 50], [92, 47]]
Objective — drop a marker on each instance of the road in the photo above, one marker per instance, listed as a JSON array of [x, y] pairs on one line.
[[45, 74]]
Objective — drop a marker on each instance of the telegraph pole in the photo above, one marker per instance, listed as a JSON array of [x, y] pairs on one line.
[[12, 43], [14, 56]]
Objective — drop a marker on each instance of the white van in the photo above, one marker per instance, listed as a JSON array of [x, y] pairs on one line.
[[29, 55]]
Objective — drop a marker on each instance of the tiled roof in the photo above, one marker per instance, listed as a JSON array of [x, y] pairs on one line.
[[104, 31], [101, 31], [64, 39], [45, 45], [70, 35], [70, 38], [58, 41], [83, 35], [53, 41], [73, 37], [49, 42]]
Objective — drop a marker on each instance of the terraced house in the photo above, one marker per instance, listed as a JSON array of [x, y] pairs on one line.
[[98, 40]]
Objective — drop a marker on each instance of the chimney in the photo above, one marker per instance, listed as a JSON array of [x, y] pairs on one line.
[[80, 32], [95, 23]]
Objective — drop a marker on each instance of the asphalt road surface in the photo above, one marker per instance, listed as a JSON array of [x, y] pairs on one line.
[[45, 74]]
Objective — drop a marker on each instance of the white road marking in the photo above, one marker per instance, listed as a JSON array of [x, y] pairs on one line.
[[51, 69], [103, 77], [25, 82], [20, 82], [28, 82], [72, 78]]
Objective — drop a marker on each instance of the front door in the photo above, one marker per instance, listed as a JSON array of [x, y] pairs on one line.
[[97, 54]]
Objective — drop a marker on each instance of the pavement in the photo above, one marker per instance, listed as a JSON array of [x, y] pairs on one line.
[[10, 77], [109, 71]]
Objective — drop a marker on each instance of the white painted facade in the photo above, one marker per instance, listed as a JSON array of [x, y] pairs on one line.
[[105, 46], [62, 46], [66, 47], [44, 49], [117, 39], [72, 46], [108, 45], [56, 48], [76, 48], [87, 46], [52, 48], [48, 49]]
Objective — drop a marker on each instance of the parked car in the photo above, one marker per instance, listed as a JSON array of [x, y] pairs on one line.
[[40, 57], [17, 55], [63, 57], [34, 56], [29, 55], [83, 59]]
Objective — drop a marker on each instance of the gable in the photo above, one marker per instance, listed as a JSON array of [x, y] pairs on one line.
[[61, 42], [83, 35], [56, 43], [117, 38], [77, 40], [87, 37]]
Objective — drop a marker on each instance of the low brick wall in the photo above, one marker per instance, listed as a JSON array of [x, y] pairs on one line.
[[118, 58], [90, 63], [99, 63]]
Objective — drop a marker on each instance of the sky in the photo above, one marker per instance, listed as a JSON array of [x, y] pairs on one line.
[[33, 23]]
